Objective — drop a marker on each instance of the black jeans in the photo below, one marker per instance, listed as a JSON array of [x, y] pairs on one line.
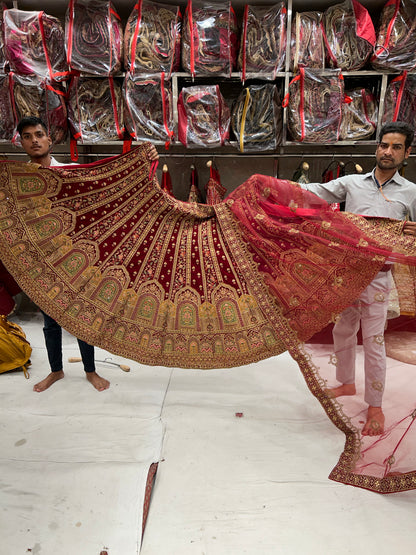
[[53, 340]]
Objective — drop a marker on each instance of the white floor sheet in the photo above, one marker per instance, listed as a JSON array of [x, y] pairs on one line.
[[244, 455]]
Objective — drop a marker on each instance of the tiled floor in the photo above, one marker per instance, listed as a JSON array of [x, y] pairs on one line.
[[74, 463]]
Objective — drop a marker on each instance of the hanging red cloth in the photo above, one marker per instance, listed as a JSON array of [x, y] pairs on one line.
[[194, 194], [215, 191], [166, 181]]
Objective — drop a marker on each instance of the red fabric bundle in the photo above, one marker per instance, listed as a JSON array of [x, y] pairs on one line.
[[209, 38], [395, 49], [214, 189], [203, 117], [166, 184], [400, 99], [314, 106], [263, 40], [34, 44], [94, 37], [194, 196], [152, 38], [349, 35], [6, 110], [95, 109], [148, 107], [31, 96]]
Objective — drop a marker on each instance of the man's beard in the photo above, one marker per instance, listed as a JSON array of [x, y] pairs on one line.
[[388, 164]]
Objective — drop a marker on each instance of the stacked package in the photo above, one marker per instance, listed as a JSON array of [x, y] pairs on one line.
[[203, 117], [263, 41], [209, 38], [256, 118], [94, 37], [148, 108], [314, 106], [152, 39]]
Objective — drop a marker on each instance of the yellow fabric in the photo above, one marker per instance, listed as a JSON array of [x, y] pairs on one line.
[[15, 350], [243, 120]]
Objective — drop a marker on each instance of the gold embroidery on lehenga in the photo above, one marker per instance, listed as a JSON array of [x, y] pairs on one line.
[[126, 267]]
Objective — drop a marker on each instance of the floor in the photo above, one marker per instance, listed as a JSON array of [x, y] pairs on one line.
[[244, 457]]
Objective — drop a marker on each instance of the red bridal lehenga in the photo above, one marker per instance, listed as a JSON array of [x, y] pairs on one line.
[[123, 265]]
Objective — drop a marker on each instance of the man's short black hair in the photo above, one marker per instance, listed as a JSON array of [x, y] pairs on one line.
[[401, 127], [30, 121]]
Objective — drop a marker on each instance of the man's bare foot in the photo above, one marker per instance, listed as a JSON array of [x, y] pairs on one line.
[[344, 389], [375, 422], [97, 381], [48, 381]]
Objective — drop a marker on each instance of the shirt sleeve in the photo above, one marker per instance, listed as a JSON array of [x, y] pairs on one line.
[[332, 191]]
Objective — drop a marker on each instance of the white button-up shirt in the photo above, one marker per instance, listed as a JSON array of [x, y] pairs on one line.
[[396, 199]]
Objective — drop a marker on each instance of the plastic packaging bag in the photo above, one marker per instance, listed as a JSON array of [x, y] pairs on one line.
[[400, 99], [31, 96], [256, 118], [307, 43], [359, 115], [94, 37], [6, 111], [148, 108], [35, 44], [395, 48], [263, 40], [349, 35], [203, 117], [152, 38], [3, 58], [209, 38], [314, 105], [95, 109]]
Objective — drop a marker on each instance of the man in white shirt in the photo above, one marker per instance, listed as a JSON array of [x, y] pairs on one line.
[[383, 193]]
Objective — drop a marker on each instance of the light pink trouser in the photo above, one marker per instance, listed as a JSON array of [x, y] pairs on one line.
[[371, 310]]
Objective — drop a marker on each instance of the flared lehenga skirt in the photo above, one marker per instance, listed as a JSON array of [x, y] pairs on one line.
[[122, 265]]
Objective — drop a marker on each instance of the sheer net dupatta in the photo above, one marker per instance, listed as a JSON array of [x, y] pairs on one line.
[[311, 240]]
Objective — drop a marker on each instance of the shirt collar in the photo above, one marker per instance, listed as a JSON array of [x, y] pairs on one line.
[[397, 179]]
